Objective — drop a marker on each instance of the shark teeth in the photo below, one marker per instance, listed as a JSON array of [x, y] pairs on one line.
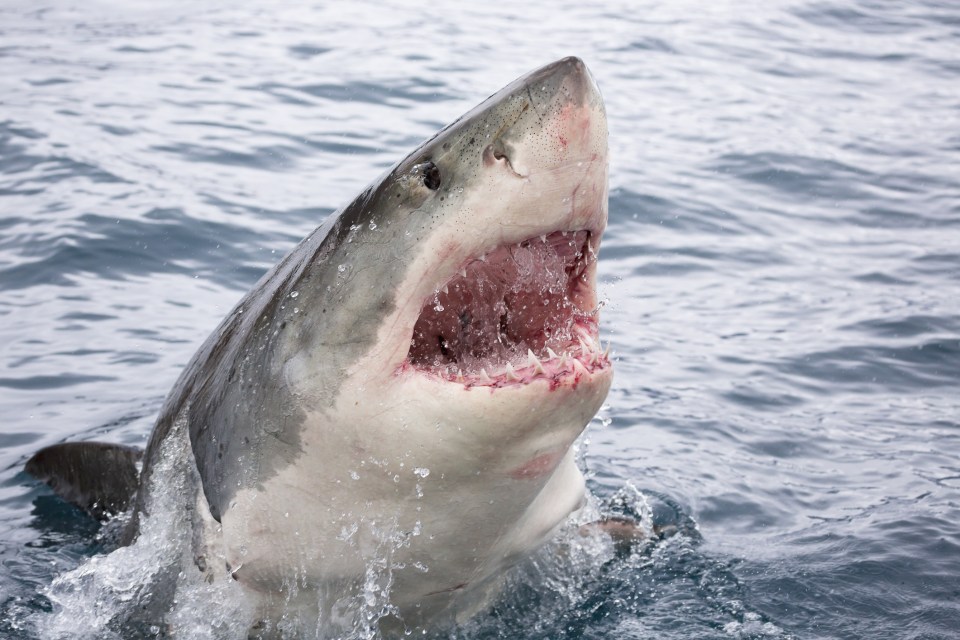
[[591, 348], [579, 368], [534, 362], [581, 356], [585, 347]]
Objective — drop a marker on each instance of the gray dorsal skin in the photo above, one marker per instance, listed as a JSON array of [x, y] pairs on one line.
[[100, 478]]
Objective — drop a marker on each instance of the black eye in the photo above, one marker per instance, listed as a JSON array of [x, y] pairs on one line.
[[431, 176]]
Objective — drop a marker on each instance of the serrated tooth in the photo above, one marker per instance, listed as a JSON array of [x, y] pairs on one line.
[[543, 237], [606, 352], [511, 374], [579, 367], [484, 378], [463, 272], [445, 289], [584, 346], [584, 335], [535, 362], [551, 353], [594, 343], [563, 359], [459, 376], [482, 258]]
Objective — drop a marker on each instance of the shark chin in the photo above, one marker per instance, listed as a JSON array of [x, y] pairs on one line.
[[384, 425]]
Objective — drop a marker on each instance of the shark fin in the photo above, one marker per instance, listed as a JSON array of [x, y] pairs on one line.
[[98, 477]]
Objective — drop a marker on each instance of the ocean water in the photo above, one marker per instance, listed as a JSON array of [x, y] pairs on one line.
[[781, 273]]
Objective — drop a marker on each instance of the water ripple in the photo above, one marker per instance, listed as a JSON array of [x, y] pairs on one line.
[[779, 273]]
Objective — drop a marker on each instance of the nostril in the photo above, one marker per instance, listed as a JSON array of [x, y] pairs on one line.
[[494, 153]]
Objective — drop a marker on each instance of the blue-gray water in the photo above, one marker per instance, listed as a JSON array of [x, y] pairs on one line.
[[781, 270]]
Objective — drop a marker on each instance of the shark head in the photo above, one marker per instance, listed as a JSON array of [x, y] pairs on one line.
[[461, 289], [426, 358], [470, 266]]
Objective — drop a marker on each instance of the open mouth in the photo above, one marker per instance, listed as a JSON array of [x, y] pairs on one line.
[[518, 313]]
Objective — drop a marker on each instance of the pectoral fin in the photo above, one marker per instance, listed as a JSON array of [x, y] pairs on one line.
[[98, 477]]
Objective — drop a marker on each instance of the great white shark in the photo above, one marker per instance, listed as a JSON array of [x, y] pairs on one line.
[[403, 388]]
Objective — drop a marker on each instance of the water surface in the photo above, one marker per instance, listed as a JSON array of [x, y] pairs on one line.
[[781, 271]]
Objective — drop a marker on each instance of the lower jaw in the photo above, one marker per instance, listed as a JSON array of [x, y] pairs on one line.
[[569, 365]]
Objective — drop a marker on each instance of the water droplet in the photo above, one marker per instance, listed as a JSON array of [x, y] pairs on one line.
[[423, 472], [294, 294]]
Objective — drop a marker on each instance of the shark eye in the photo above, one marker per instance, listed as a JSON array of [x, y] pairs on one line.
[[431, 176]]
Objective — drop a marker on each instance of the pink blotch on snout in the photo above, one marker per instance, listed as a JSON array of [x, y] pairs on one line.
[[573, 125]]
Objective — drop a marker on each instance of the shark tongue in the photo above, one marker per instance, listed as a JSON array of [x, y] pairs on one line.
[[517, 298]]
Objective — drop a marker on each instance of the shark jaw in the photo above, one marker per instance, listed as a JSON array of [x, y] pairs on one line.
[[514, 315]]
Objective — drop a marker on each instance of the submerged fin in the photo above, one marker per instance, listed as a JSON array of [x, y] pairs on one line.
[[98, 477], [625, 531]]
